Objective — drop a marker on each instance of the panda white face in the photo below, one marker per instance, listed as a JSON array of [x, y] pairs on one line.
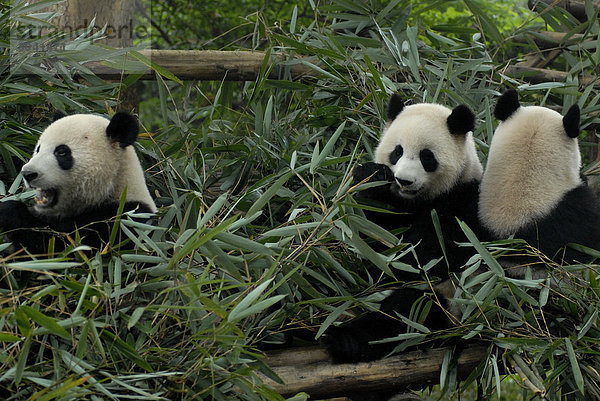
[[428, 151], [74, 165], [533, 161]]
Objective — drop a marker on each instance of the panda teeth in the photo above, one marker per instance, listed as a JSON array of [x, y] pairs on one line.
[[44, 198]]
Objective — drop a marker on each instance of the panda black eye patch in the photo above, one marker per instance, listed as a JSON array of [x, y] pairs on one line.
[[428, 160], [396, 154], [63, 157]]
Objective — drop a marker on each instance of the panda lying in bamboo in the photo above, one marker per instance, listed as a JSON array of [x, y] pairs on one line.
[[79, 169]]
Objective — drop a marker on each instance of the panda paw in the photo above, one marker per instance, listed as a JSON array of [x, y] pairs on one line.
[[13, 214], [372, 172], [345, 345]]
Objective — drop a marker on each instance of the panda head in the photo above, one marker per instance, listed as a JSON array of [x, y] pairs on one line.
[[533, 161], [429, 148], [82, 161]]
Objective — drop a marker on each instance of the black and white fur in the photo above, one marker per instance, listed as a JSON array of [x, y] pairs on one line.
[[532, 187], [79, 169], [428, 158]]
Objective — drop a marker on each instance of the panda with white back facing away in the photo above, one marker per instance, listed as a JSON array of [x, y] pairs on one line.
[[428, 161], [80, 166], [532, 186]]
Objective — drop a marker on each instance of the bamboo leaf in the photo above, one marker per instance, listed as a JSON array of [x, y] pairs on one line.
[[45, 321], [135, 316], [487, 257], [60, 391], [445, 367], [293, 20], [268, 194], [332, 318], [155, 67], [239, 311], [575, 366], [125, 349]]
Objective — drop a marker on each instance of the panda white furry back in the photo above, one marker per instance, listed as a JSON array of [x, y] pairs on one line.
[[79, 168], [532, 187]]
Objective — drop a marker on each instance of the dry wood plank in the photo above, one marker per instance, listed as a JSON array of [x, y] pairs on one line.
[[209, 65], [310, 370]]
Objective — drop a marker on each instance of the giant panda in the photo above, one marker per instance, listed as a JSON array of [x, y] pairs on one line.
[[428, 160], [81, 165], [532, 187]]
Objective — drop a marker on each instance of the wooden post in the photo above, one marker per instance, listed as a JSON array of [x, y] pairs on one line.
[[310, 370]]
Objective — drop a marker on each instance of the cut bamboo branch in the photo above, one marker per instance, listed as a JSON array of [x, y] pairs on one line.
[[310, 370], [208, 65]]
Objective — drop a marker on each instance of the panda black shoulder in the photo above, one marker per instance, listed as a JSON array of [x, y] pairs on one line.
[[575, 219]]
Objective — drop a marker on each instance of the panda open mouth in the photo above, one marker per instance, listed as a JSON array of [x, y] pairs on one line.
[[408, 192], [45, 198], [405, 192]]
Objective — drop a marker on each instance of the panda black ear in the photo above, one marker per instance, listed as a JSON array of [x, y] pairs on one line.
[[58, 115], [461, 120], [571, 121], [507, 104], [123, 128], [395, 106]]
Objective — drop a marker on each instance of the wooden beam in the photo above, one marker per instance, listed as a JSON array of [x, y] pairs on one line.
[[310, 370], [208, 65], [540, 75], [550, 40]]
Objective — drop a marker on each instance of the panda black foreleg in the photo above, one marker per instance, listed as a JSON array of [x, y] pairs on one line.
[[373, 172], [28, 229], [351, 342], [18, 223], [95, 225]]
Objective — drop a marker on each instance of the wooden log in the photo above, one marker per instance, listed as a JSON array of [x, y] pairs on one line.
[[549, 40], [575, 7], [208, 65], [310, 370], [540, 75]]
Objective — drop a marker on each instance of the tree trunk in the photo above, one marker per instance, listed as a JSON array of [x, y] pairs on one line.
[[122, 26]]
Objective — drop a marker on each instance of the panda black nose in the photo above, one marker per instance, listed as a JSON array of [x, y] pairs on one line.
[[404, 183], [29, 175]]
